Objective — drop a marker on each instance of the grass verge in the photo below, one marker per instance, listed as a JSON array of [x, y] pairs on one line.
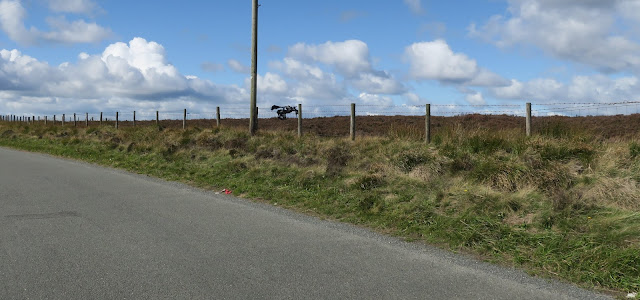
[[562, 206]]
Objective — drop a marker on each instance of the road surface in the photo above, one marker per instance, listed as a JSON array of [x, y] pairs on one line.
[[71, 230]]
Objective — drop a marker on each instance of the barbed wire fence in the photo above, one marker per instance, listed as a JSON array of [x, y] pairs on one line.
[[342, 116]]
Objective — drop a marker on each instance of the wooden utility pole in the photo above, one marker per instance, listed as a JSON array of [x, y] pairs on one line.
[[253, 126]]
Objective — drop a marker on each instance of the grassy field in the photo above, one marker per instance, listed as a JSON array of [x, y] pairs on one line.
[[564, 203]]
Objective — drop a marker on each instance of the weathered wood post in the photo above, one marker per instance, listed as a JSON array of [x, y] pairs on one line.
[[256, 120], [54, 119], [134, 118], [184, 119], [117, 119], [218, 116], [100, 118], [75, 121], [427, 124], [45, 120], [299, 119], [353, 122], [157, 118], [86, 119], [528, 119], [63, 117]]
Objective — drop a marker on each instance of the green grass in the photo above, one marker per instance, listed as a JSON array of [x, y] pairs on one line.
[[558, 205]]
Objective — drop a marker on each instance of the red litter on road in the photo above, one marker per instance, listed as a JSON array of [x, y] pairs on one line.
[[228, 192]]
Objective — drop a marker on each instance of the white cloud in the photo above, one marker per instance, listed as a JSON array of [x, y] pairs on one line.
[[378, 83], [73, 6], [436, 61], [77, 31], [415, 6], [475, 98], [374, 100], [349, 57], [272, 84], [238, 66], [136, 74], [63, 31], [595, 88], [587, 32], [307, 82]]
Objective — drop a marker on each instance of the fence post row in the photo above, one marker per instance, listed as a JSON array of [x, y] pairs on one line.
[[352, 129]]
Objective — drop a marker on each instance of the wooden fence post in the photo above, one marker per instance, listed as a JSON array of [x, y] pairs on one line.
[[54, 119], [157, 118], [86, 119], [428, 124], [218, 116], [100, 118], [353, 122], [299, 119], [117, 119], [75, 121], [134, 118], [529, 119], [63, 115], [184, 119], [45, 120]]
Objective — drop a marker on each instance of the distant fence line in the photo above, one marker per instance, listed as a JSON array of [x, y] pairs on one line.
[[548, 109]]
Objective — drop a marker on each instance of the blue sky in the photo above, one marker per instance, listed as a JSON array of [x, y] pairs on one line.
[[90, 55]]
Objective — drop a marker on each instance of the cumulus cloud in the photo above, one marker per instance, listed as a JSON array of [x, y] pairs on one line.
[[349, 57], [375, 100], [129, 75], [586, 32], [310, 82], [475, 99], [63, 31], [378, 83], [415, 6], [436, 61], [594, 88]]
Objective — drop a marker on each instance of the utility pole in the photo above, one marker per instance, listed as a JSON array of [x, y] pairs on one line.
[[253, 125]]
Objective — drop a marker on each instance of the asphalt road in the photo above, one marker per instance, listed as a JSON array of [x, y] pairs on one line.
[[70, 230]]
